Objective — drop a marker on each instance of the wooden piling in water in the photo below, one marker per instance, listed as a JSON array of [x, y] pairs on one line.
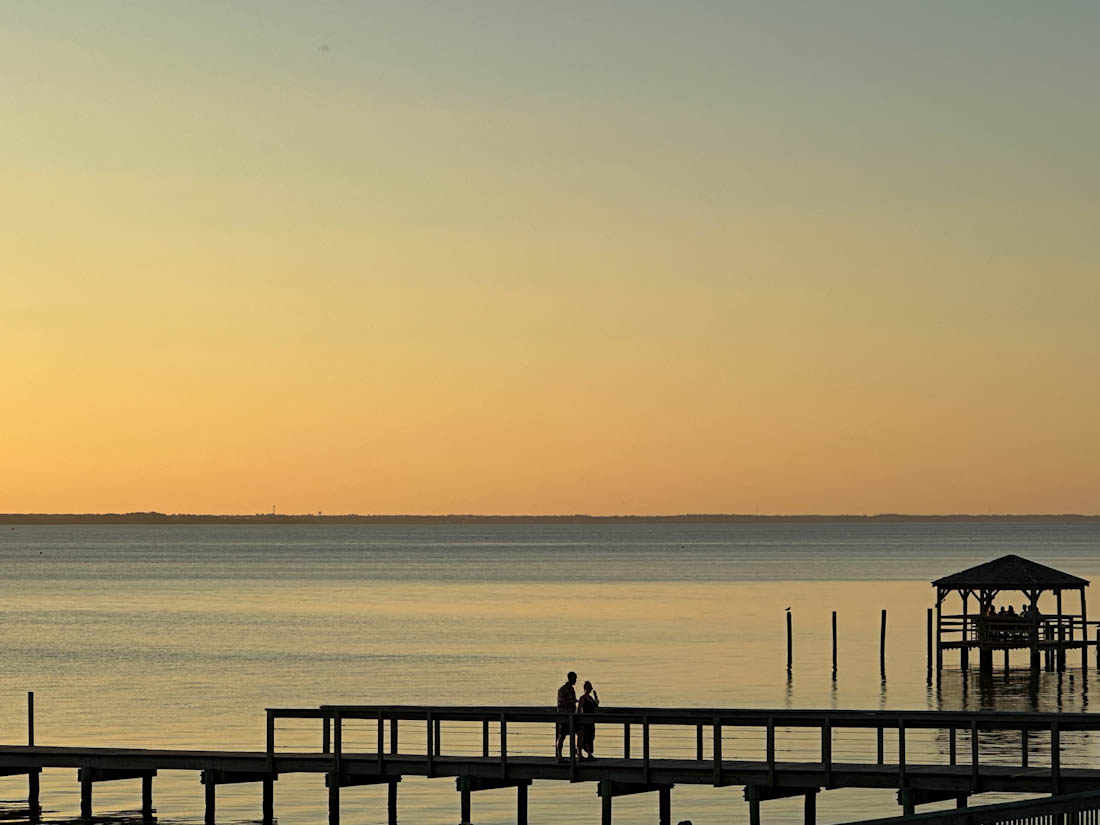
[[664, 806], [928, 642], [834, 644], [790, 643], [464, 812], [86, 794], [521, 805], [147, 809], [268, 814], [33, 809], [882, 646], [333, 799], [209, 811]]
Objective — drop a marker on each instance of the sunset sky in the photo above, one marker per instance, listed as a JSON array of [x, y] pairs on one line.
[[554, 257]]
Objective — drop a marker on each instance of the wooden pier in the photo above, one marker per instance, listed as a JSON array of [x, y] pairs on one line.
[[636, 762]]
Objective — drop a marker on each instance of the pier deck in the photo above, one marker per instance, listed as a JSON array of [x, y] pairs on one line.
[[628, 769]]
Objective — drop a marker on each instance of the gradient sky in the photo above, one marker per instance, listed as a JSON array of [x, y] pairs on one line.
[[554, 257]]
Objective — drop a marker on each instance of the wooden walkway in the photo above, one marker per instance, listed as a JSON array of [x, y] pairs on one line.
[[636, 766]]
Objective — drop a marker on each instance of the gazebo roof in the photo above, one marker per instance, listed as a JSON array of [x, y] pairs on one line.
[[1011, 573]]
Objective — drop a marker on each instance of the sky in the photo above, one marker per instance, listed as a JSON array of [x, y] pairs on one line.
[[570, 257]]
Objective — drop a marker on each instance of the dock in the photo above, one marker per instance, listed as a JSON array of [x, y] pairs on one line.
[[471, 745]]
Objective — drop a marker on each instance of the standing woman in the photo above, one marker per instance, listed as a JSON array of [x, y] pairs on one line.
[[587, 705]]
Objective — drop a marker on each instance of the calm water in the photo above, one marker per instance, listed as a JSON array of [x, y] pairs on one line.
[[180, 636]]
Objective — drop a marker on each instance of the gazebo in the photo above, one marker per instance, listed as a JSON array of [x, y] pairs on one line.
[[987, 630]]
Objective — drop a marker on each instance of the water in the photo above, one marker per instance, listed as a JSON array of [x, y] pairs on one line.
[[180, 636]]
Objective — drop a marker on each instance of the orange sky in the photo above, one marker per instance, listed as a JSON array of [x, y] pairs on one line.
[[527, 260]]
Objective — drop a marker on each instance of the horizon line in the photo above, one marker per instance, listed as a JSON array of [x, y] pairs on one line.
[[154, 516]]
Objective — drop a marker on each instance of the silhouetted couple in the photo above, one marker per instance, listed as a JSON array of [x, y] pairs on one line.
[[586, 706]]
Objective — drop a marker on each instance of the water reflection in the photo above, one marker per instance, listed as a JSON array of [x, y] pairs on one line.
[[1012, 690]]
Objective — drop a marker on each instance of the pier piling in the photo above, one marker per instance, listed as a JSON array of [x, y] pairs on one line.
[[882, 646], [210, 807], [928, 643], [147, 809], [790, 643], [33, 809], [834, 644], [85, 775], [464, 813], [268, 813]]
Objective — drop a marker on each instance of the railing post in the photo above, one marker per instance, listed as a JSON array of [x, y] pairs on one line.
[[952, 748], [717, 749], [381, 740], [901, 754], [393, 735], [975, 766], [626, 740], [1055, 759], [645, 749], [827, 751], [880, 745], [430, 746], [699, 743], [270, 740], [337, 744], [485, 738], [503, 747], [438, 737], [326, 736], [1024, 755], [572, 747], [769, 749]]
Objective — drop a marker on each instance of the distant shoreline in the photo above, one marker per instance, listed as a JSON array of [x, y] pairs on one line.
[[702, 518]]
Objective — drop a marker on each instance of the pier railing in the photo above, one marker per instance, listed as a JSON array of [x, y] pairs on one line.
[[701, 736], [1068, 809]]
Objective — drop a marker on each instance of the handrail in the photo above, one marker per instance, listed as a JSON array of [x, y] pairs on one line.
[[734, 717], [1048, 806], [826, 721]]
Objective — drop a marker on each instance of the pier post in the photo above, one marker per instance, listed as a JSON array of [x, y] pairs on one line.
[[333, 799], [834, 644], [664, 806], [1061, 663], [882, 646], [1084, 633], [985, 663], [790, 643], [754, 810], [605, 809], [939, 630], [464, 814], [268, 812], [33, 809], [147, 798], [85, 793], [211, 802], [928, 643], [521, 805], [391, 803], [809, 811], [908, 803]]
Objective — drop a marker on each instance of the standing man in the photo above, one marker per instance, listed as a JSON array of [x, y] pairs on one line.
[[567, 703]]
